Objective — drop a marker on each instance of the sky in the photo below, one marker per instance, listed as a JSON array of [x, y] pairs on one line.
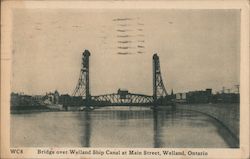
[[198, 49]]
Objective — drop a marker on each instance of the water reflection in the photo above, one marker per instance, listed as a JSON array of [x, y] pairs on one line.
[[169, 128], [157, 140], [87, 129], [120, 128]]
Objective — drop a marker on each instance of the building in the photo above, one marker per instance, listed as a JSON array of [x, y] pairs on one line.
[[51, 98], [22, 100], [180, 97], [226, 98], [199, 96]]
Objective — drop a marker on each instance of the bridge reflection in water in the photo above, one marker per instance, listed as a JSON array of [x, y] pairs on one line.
[[152, 128], [119, 127], [87, 130]]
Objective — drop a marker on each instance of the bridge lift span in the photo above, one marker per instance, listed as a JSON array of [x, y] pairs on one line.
[[122, 97]]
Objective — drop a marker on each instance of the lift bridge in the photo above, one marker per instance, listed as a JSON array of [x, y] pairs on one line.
[[122, 97]]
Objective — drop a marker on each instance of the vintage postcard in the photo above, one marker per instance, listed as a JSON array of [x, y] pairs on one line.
[[125, 79]]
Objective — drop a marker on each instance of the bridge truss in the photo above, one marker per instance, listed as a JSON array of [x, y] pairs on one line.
[[159, 90], [128, 99], [82, 89]]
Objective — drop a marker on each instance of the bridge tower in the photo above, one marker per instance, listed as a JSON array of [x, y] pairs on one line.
[[82, 87], [159, 90]]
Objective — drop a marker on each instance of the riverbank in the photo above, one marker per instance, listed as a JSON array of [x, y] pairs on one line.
[[227, 114], [28, 109]]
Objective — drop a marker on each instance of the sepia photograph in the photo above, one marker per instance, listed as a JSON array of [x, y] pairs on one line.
[[125, 82]]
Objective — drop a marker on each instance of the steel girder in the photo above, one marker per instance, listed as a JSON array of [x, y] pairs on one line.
[[129, 99]]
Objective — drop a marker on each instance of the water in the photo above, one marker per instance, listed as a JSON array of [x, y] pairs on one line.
[[119, 127]]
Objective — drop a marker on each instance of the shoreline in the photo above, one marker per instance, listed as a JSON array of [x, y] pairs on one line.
[[226, 114]]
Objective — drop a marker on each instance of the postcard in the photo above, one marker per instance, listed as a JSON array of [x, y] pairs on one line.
[[125, 79]]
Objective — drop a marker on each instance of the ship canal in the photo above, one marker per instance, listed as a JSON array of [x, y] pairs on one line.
[[119, 127]]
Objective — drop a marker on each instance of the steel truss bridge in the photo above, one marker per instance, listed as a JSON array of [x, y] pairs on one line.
[[122, 97], [116, 99]]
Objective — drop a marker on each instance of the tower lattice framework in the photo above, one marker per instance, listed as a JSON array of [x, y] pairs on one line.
[[159, 90], [82, 87]]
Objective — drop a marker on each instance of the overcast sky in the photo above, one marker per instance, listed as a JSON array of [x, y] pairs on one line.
[[198, 49]]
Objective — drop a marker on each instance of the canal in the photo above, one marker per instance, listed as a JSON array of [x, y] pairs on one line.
[[119, 127]]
